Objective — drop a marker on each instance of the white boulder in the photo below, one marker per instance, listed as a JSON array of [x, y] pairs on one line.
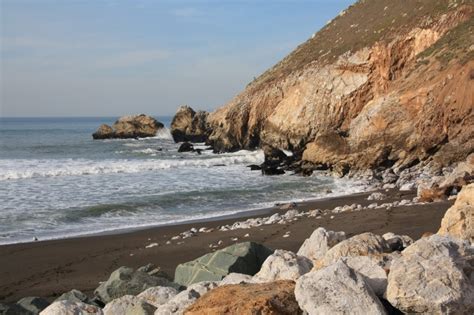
[[374, 275], [336, 289], [283, 265], [320, 241], [157, 296], [71, 308], [129, 304]]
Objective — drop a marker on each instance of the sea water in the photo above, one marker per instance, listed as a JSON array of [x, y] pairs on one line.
[[57, 182]]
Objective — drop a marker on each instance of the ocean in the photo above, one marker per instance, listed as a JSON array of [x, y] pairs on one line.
[[56, 182]]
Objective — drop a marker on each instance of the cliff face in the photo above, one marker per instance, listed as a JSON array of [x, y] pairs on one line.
[[386, 83]]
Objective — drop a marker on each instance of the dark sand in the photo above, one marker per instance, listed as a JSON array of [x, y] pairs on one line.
[[50, 268]]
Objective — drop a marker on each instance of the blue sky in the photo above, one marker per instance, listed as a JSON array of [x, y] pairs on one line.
[[115, 57]]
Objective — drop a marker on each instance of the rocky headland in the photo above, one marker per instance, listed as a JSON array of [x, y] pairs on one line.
[[384, 91], [134, 126]]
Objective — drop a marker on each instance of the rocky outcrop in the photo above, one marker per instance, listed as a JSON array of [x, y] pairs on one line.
[[126, 281], [187, 125], [336, 289], [283, 265], [320, 241], [246, 258], [137, 126], [267, 298], [435, 275], [458, 221], [391, 91], [71, 308]]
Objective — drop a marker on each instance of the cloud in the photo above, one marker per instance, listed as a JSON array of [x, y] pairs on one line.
[[133, 58]]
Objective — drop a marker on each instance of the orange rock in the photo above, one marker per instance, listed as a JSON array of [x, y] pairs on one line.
[[265, 299]]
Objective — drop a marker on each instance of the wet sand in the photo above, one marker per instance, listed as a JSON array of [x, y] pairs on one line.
[[50, 268]]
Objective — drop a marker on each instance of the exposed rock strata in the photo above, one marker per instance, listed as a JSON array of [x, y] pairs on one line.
[[136, 126], [391, 91]]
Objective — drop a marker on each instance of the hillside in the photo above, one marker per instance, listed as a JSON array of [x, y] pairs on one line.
[[385, 84]]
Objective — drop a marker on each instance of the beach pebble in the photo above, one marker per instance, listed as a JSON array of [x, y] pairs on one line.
[[151, 245], [220, 242], [247, 235], [331, 217], [168, 242], [234, 239], [376, 196], [177, 237]]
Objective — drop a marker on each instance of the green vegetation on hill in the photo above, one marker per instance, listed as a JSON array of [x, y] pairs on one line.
[[361, 25]]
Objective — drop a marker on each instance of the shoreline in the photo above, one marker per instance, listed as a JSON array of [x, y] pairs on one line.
[[236, 215], [51, 267]]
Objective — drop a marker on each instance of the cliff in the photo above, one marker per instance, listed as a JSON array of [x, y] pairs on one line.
[[387, 83]]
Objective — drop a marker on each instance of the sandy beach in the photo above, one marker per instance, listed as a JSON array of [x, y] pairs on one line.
[[50, 268]]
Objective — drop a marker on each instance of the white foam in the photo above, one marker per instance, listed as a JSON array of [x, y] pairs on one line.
[[23, 169]]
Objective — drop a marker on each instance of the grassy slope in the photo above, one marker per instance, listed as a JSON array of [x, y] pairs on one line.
[[361, 25]]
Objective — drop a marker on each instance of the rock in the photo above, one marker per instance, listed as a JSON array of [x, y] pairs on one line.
[[103, 132], [364, 244], [236, 278], [458, 221], [320, 241], [186, 147], [408, 187], [246, 258], [135, 126], [13, 309], [336, 289], [433, 276], [397, 242], [266, 298], [128, 305], [182, 300], [271, 170], [126, 281], [76, 296], [187, 125], [374, 275], [254, 167], [157, 296], [376, 196], [71, 308], [33, 304], [283, 265]]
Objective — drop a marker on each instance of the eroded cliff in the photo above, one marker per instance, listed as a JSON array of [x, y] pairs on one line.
[[384, 84]]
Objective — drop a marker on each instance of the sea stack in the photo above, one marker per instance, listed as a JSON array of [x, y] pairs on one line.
[[134, 126]]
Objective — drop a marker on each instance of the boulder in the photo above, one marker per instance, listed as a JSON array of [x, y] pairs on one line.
[[236, 278], [316, 246], [458, 221], [433, 276], [13, 309], [71, 308], [364, 244], [265, 298], [246, 258], [369, 268], [129, 305], [33, 304], [397, 242], [186, 147], [135, 126], [157, 296], [77, 296], [283, 265], [126, 281], [181, 301], [336, 289], [187, 125]]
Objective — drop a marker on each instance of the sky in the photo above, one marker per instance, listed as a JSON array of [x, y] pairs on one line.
[[118, 57]]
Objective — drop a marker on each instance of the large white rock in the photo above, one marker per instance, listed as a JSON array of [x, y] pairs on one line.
[[157, 296], [435, 276], [359, 245], [370, 269], [71, 308], [127, 305], [235, 278], [283, 265], [458, 221], [316, 246], [182, 300], [336, 289]]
